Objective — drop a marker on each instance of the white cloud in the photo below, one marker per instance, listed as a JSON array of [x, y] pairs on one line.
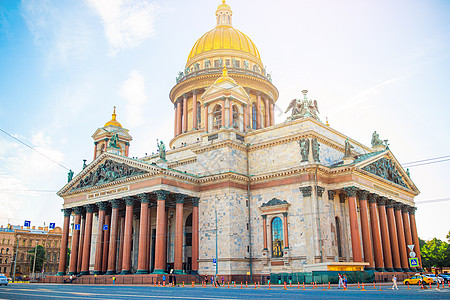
[[133, 90], [127, 23], [61, 33]]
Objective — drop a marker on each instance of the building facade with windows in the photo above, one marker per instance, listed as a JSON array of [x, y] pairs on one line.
[[234, 186]]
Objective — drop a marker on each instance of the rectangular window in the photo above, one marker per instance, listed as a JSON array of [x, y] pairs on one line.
[[227, 62], [188, 239], [238, 64], [216, 64]]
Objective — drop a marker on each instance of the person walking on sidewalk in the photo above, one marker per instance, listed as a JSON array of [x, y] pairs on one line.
[[394, 283], [340, 280]]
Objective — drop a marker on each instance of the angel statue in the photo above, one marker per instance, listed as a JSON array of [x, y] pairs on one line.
[[161, 149], [303, 108]]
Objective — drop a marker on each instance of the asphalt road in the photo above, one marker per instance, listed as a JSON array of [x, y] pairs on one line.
[[66, 291]]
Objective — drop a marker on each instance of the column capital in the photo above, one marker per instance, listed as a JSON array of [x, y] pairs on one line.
[[161, 194], [306, 190], [195, 201], [363, 194], [331, 195], [398, 206], [381, 201], [89, 208], [67, 212], [351, 191], [285, 214], [390, 203], [129, 201], [144, 198], [78, 210], [319, 191], [115, 203], [373, 198], [412, 210], [405, 208], [194, 92], [264, 217], [179, 198], [102, 205], [342, 197]]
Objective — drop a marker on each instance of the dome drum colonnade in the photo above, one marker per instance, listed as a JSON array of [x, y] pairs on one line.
[[113, 252], [223, 47], [392, 228]]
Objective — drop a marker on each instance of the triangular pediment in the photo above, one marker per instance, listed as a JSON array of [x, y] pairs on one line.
[[107, 168], [107, 131], [227, 87], [385, 165]]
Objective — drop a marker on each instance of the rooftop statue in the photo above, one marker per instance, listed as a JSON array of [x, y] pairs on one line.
[[70, 175], [161, 149], [113, 141], [302, 108], [376, 141], [348, 149]]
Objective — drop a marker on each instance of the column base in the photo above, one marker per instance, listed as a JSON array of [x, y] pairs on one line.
[[142, 272], [389, 270], [60, 273], [369, 268], [380, 269], [159, 271], [125, 272], [178, 272], [84, 273], [110, 272], [406, 270], [98, 272], [265, 249], [72, 273]]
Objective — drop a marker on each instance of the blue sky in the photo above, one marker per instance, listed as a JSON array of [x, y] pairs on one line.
[[371, 65]]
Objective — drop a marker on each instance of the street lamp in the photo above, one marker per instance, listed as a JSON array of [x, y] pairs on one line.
[[15, 259], [34, 262]]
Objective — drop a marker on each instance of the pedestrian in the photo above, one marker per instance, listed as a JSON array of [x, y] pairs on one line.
[[345, 281], [174, 280], [170, 279], [340, 280], [394, 283], [71, 278], [223, 280], [212, 280], [114, 279], [164, 280], [206, 280]]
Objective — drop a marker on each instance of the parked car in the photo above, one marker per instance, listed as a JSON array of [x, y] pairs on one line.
[[434, 277], [445, 277], [418, 279], [3, 280]]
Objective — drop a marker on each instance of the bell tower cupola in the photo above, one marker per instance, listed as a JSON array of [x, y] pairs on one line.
[[223, 14], [112, 138]]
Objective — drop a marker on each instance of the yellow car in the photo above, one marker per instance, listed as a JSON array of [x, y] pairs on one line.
[[418, 279]]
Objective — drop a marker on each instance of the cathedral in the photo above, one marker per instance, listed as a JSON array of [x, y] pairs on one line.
[[234, 192]]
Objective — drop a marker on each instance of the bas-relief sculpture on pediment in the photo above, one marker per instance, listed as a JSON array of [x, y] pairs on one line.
[[274, 202], [385, 168], [108, 171]]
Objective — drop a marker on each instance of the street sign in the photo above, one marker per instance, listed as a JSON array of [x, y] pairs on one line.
[[77, 226], [414, 262], [412, 254], [411, 247], [27, 224], [214, 261], [52, 226], [105, 227]]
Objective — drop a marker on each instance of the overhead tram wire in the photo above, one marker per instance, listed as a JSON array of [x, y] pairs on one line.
[[426, 161], [23, 143]]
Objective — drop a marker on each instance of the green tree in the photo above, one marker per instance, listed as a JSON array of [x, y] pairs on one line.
[[435, 253], [40, 258]]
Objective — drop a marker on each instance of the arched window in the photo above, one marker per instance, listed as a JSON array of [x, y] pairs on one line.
[[254, 116], [235, 117], [199, 114], [338, 236], [7, 250], [217, 117], [3, 240], [277, 237], [1, 252]]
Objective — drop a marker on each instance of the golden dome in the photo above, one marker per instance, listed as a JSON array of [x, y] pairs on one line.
[[224, 37], [113, 121]]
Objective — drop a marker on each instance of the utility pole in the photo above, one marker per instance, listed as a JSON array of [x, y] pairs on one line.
[[34, 262], [15, 259], [217, 258]]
